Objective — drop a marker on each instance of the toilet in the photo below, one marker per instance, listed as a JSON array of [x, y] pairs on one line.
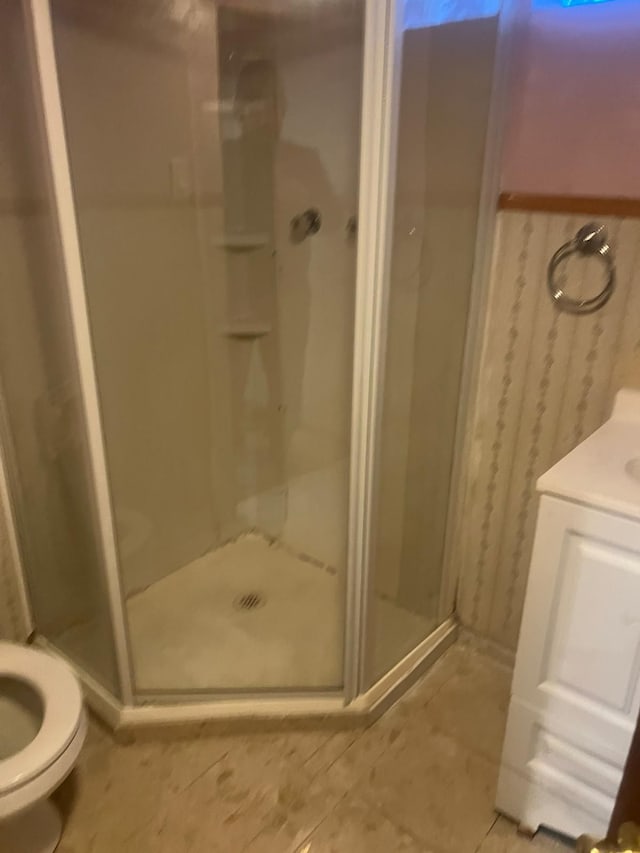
[[42, 729]]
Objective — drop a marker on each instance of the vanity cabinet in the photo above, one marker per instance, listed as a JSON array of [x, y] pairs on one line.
[[576, 687]]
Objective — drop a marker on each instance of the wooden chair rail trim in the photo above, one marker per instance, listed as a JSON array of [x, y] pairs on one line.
[[592, 205]]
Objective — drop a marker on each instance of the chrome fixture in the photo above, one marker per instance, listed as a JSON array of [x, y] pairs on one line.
[[305, 224], [590, 241]]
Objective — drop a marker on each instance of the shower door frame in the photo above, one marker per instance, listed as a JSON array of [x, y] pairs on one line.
[[381, 71], [49, 110], [378, 135]]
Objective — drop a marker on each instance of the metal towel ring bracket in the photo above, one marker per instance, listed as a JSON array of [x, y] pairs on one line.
[[591, 240]]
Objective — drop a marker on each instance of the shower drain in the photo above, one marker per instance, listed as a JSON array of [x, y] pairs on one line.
[[249, 601]]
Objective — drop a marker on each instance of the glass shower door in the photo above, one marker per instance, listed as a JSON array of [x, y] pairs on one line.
[[214, 151], [44, 429], [445, 95]]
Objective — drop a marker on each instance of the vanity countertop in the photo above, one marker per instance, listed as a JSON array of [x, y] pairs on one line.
[[604, 470]]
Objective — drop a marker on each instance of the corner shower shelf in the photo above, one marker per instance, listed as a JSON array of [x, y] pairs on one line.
[[246, 331], [247, 242], [235, 106]]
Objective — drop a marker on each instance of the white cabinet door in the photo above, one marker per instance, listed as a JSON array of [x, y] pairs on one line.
[[576, 689]]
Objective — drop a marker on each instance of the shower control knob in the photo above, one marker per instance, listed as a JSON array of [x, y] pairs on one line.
[[305, 224]]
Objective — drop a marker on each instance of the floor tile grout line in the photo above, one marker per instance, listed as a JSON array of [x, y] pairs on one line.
[[204, 772], [179, 793], [329, 814], [309, 834], [487, 833], [318, 748], [375, 722], [387, 816], [472, 749], [439, 729], [405, 829], [337, 757]]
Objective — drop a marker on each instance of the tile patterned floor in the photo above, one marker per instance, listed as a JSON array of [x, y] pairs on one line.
[[420, 780]]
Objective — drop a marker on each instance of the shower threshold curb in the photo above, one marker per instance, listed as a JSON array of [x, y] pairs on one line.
[[260, 712]]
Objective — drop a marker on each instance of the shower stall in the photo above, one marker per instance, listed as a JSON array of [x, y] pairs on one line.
[[243, 246]]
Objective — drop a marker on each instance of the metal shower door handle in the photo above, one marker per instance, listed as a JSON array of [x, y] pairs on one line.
[[305, 224]]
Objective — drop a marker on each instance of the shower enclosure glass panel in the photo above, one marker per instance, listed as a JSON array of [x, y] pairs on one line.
[[43, 428], [223, 333], [445, 95], [197, 498]]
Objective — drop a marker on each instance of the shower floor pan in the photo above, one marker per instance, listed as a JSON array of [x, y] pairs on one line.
[[250, 615]]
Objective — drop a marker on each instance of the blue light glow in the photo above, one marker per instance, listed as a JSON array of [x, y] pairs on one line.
[[430, 13], [567, 2]]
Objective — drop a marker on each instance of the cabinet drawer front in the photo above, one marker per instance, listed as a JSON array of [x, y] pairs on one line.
[[579, 652], [546, 778]]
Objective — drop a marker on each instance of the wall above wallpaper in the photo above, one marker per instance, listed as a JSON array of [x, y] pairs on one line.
[[546, 381], [574, 113]]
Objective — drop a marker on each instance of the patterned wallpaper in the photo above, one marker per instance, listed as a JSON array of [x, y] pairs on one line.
[[547, 380]]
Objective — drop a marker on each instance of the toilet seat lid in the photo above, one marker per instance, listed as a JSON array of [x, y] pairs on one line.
[[62, 706]]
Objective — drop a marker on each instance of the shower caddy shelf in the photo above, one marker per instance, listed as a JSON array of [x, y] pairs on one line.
[[246, 331], [248, 242]]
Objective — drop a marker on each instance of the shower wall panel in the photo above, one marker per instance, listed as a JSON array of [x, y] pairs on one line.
[[247, 319], [319, 91], [128, 121]]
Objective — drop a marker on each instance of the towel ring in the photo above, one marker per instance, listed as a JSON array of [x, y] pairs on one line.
[[591, 240]]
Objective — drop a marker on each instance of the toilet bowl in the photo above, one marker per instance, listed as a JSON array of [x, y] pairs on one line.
[[42, 728]]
